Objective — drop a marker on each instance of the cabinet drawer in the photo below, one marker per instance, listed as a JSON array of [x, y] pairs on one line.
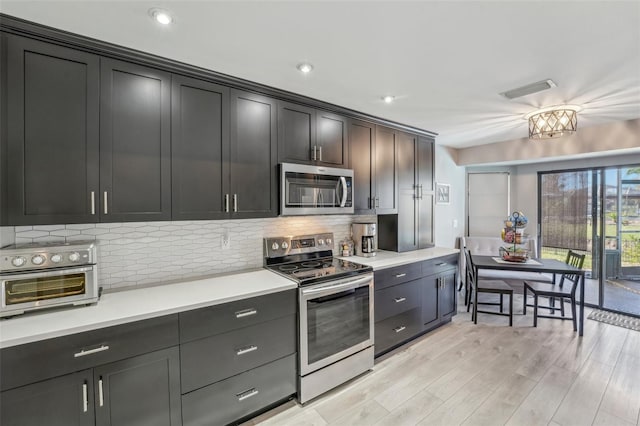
[[218, 319], [440, 264], [397, 329], [37, 361], [214, 358], [397, 275], [241, 395], [394, 300]]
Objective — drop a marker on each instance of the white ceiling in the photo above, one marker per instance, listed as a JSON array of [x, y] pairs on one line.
[[445, 61]]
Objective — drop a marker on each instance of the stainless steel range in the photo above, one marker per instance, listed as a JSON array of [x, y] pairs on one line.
[[44, 275], [335, 310]]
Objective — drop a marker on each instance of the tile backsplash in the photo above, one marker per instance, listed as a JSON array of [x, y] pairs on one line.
[[137, 253]]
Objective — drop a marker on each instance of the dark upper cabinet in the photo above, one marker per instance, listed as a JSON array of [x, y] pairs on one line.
[[135, 142], [311, 136], [63, 401], [199, 149], [141, 391], [362, 137], [253, 156], [412, 227], [52, 116], [386, 198]]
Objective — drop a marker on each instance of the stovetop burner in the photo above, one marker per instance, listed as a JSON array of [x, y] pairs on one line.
[[288, 268]]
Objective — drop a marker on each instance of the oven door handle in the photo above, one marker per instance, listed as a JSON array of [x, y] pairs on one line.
[[343, 182], [342, 286], [45, 273]]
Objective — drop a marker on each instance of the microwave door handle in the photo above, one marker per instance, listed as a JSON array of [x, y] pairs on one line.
[[343, 181]]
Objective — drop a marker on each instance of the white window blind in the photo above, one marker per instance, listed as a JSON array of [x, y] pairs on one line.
[[488, 203]]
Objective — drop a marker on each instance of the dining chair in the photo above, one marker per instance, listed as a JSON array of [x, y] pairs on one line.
[[486, 286], [556, 292]]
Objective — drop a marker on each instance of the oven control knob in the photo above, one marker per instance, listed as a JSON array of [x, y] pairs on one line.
[[275, 246], [320, 242], [56, 258], [285, 245], [18, 261], [74, 257], [38, 259]]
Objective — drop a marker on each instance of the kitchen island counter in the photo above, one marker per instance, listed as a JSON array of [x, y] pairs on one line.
[[387, 259]]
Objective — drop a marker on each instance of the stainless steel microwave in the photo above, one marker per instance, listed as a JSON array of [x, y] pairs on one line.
[[309, 190]]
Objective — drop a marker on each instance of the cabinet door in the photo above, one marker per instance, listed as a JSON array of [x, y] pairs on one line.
[[52, 133], [362, 142], [430, 301], [296, 133], [447, 295], [135, 174], [386, 175], [141, 391], [63, 401], [407, 190], [199, 149], [424, 171], [254, 161], [332, 140]]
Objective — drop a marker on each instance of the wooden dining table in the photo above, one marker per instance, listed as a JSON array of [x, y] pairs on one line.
[[550, 266]]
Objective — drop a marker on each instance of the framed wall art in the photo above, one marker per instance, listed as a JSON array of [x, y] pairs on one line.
[[443, 193]]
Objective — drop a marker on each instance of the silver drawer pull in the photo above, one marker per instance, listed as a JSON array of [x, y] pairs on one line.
[[246, 313], [100, 393], [85, 398], [91, 351], [400, 275], [441, 264], [247, 394], [246, 350], [399, 299], [399, 329]]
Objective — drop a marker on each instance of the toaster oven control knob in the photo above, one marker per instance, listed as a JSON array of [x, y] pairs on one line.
[[56, 258], [38, 259], [320, 242], [285, 245], [275, 246], [328, 241], [18, 261], [74, 257]]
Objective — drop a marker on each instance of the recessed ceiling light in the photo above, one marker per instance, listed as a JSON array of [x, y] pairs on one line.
[[161, 16], [305, 67], [388, 99]]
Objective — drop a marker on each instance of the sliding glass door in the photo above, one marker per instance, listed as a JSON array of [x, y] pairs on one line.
[[596, 212]]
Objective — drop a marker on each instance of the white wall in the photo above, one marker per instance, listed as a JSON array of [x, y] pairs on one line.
[[447, 171]]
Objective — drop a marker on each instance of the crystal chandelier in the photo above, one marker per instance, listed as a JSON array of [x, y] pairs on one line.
[[553, 122]]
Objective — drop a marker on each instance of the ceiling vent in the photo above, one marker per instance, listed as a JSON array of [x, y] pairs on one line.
[[538, 86]]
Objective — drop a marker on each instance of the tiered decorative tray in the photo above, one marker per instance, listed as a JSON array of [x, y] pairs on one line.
[[513, 234]]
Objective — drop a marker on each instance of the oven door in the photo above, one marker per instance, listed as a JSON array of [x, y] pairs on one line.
[[336, 320], [33, 290], [315, 190]]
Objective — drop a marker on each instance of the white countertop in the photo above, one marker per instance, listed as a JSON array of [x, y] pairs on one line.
[[387, 259], [138, 304]]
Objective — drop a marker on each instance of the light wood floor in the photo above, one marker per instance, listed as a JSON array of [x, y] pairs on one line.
[[490, 374]]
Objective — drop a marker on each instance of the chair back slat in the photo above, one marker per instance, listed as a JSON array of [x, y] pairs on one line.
[[471, 271]]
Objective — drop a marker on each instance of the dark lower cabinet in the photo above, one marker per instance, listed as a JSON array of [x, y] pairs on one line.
[[141, 391], [135, 142], [63, 401], [52, 123], [239, 396], [413, 299]]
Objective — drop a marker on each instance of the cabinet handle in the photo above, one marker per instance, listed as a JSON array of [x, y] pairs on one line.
[[93, 202], [400, 275], [246, 350], [441, 264], [399, 299], [247, 394], [105, 200], [314, 153], [226, 203], [377, 202], [246, 313], [320, 150], [235, 202], [100, 393], [399, 329], [421, 191], [85, 398], [91, 351]]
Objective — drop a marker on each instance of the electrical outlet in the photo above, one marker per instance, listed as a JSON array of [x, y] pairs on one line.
[[455, 223], [225, 242]]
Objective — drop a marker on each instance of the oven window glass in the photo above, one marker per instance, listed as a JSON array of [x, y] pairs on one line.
[[44, 288], [311, 190], [337, 322]]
